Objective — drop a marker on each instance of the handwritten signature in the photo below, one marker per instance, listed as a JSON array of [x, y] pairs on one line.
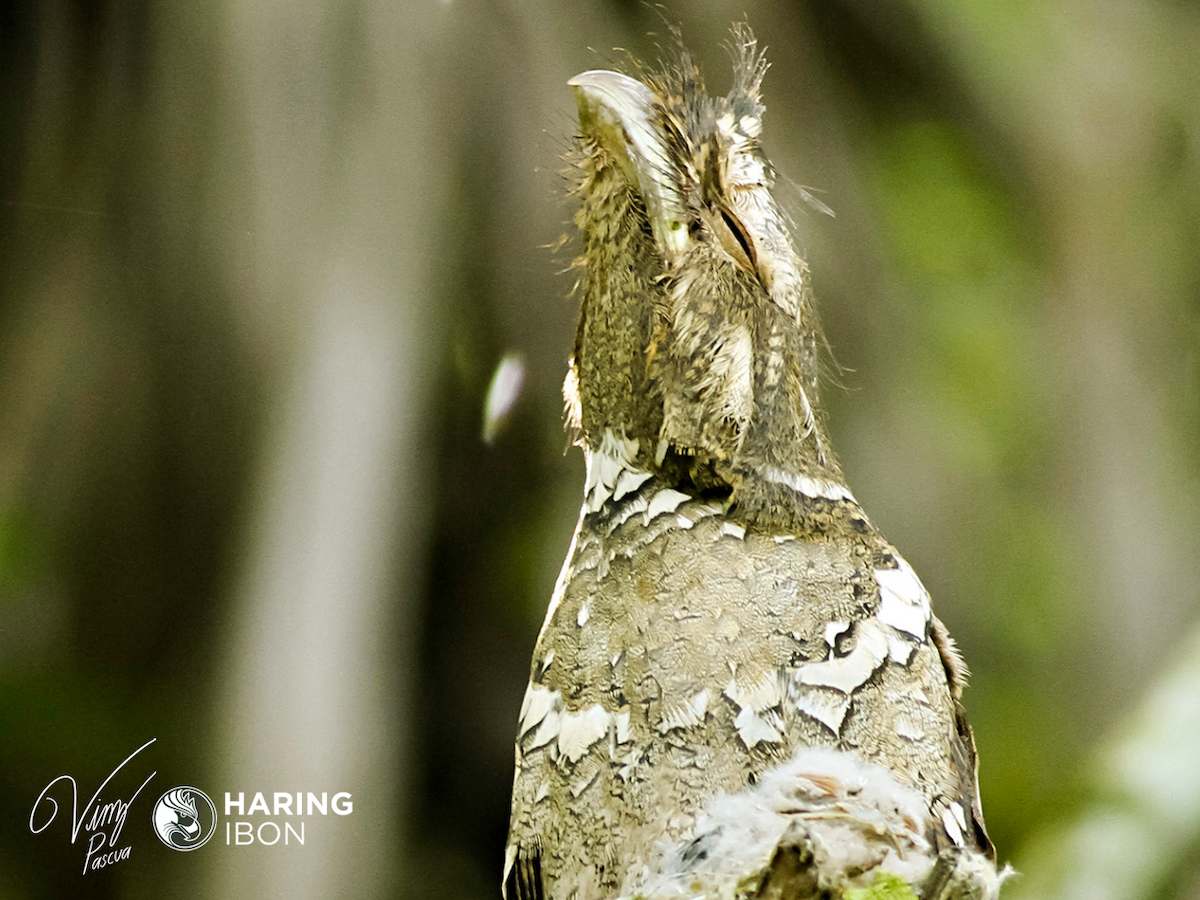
[[102, 821]]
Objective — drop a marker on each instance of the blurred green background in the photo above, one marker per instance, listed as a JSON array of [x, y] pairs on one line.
[[259, 262]]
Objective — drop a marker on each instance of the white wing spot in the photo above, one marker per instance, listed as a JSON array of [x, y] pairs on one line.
[[808, 486], [763, 693], [834, 630], [539, 701], [827, 707], [957, 810], [900, 650], [902, 581], [903, 600], [629, 481], [951, 825], [581, 729], [753, 700], [606, 465], [753, 728], [666, 500], [901, 616], [547, 731], [622, 720], [733, 530], [845, 673]]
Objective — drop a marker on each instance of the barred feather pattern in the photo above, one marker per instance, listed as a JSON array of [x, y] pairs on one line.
[[740, 686]]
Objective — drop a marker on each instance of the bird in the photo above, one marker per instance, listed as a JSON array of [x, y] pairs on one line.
[[740, 688]]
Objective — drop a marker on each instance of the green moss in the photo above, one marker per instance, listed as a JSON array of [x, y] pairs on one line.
[[886, 887]]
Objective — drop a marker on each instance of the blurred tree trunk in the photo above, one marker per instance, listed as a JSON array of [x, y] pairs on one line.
[[338, 108]]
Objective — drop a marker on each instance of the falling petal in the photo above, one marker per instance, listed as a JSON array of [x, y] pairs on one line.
[[502, 394]]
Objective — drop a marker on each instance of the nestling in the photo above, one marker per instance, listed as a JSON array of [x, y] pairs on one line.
[[740, 687]]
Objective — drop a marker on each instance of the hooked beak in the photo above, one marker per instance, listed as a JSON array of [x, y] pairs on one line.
[[620, 113]]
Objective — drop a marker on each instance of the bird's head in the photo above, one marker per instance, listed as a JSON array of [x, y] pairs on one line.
[[697, 337]]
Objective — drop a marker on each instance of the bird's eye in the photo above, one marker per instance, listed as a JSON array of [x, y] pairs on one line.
[[735, 239]]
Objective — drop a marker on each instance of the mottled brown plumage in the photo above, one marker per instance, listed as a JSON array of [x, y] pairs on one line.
[[729, 634]]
